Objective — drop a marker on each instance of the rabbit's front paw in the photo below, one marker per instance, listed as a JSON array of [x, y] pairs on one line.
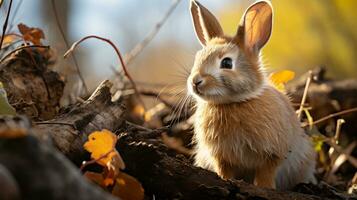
[[224, 170]]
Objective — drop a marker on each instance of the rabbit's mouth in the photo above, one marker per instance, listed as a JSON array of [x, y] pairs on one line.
[[197, 90], [206, 94]]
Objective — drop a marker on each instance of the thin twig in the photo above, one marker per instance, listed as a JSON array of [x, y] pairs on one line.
[[14, 15], [303, 100], [20, 48], [57, 123], [338, 130], [333, 115], [67, 46], [74, 45], [140, 46], [5, 24], [86, 163]]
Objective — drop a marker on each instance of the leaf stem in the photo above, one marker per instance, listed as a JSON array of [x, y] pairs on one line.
[[67, 46]]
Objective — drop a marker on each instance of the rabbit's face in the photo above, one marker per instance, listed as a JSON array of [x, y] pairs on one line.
[[227, 69], [222, 73]]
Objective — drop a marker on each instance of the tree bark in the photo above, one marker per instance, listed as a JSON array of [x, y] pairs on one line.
[[36, 170]]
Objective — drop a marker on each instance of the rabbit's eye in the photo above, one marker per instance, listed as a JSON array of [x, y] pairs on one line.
[[227, 63]]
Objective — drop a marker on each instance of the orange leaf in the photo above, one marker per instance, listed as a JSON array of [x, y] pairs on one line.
[[33, 35], [13, 133], [139, 110], [279, 79], [95, 177], [128, 188], [101, 145]]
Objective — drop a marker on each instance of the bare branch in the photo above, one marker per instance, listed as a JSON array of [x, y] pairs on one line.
[[17, 8], [332, 115], [74, 45], [140, 46], [67, 46], [20, 48]]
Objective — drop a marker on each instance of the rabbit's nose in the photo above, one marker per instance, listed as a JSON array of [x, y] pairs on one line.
[[197, 81]]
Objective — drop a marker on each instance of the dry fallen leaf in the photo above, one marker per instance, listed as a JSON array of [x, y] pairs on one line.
[[97, 178], [101, 145], [13, 133], [279, 79], [33, 35], [128, 188]]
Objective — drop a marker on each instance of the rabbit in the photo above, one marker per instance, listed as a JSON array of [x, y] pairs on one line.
[[244, 128]]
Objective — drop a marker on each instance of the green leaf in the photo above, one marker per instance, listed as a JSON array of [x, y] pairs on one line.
[[317, 138], [5, 107]]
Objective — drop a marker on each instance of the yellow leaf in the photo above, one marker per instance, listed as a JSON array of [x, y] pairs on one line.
[[9, 39], [318, 141], [279, 79], [128, 188], [101, 145], [139, 110]]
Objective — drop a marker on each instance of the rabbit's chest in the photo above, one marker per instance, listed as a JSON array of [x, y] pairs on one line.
[[233, 143], [239, 134]]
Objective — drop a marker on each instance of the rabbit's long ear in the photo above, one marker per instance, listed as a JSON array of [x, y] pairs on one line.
[[205, 23], [256, 26]]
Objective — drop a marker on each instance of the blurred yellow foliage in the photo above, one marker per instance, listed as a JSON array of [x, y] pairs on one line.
[[279, 79], [307, 34]]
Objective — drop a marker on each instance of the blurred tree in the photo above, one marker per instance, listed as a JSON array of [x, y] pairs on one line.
[[307, 34]]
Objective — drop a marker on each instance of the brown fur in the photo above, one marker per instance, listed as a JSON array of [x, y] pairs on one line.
[[244, 127], [264, 130]]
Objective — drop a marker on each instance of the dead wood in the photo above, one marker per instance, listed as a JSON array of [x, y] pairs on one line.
[[70, 129], [327, 96], [33, 89], [147, 158], [30, 169]]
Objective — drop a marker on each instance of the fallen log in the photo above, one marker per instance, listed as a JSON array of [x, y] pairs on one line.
[[146, 157], [33, 88], [70, 129], [36, 170], [168, 175]]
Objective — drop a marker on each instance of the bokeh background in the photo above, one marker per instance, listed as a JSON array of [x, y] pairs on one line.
[[306, 34]]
